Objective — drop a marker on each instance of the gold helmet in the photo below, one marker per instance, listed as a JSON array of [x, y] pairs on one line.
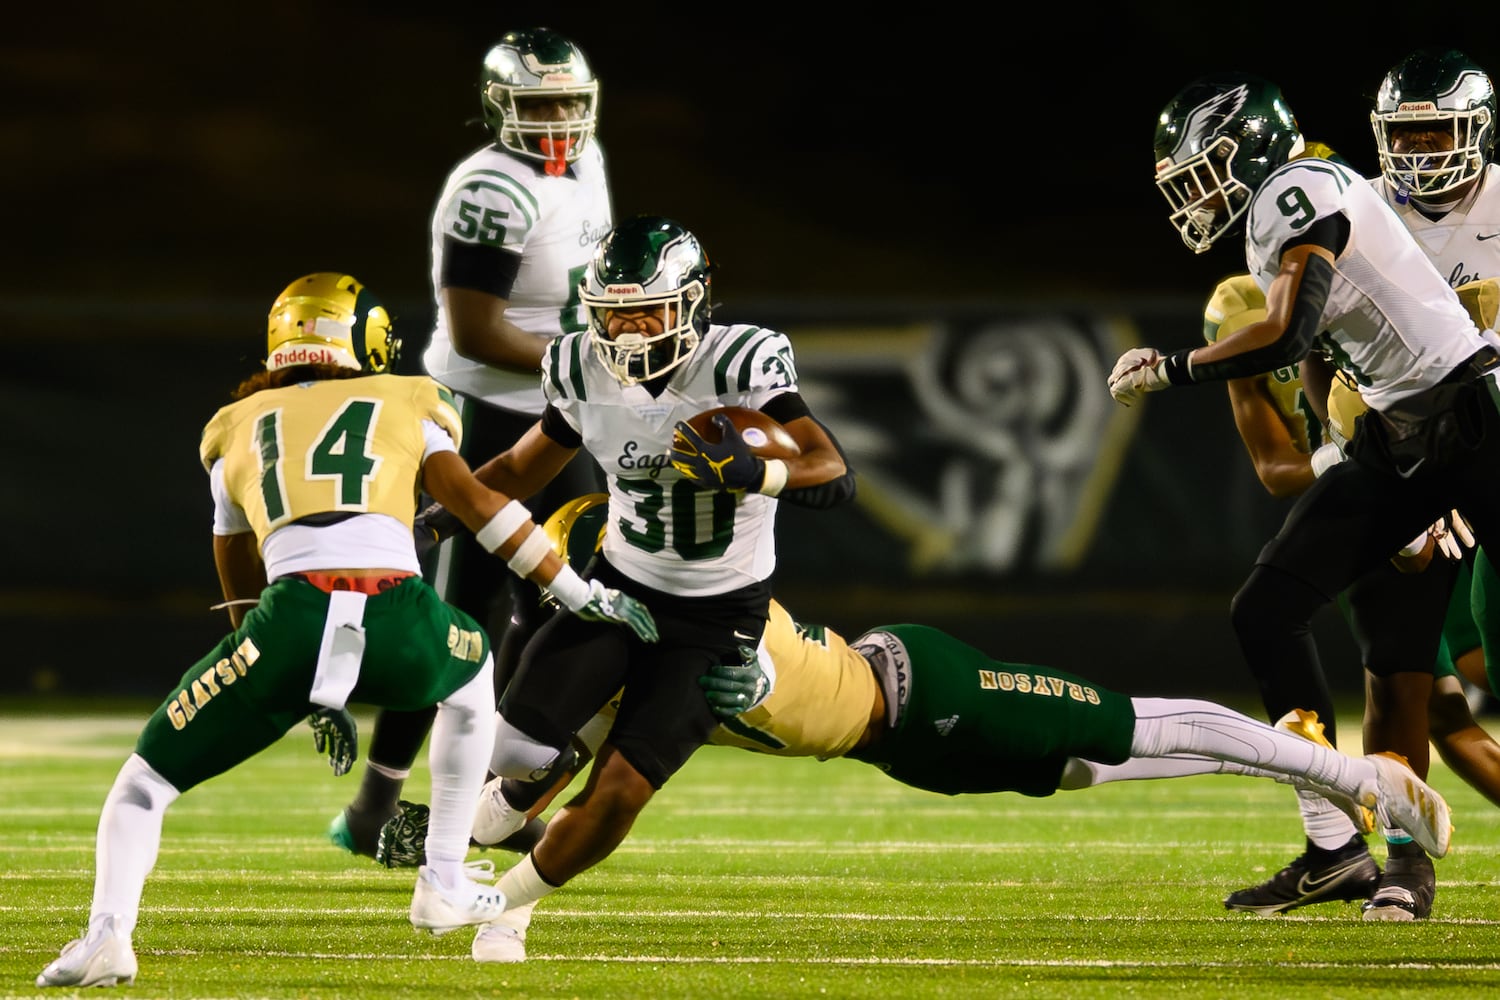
[[576, 529], [330, 319]]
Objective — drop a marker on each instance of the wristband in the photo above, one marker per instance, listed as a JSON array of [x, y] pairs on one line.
[[1177, 368], [569, 588], [504, 524], [1325, 458], [529, 554], [774, 480]]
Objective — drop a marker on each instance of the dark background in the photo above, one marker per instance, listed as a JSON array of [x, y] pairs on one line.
[[165, 174], [932, 151]]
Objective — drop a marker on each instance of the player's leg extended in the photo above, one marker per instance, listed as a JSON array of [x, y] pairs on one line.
[[1319, 552], [205, 727]]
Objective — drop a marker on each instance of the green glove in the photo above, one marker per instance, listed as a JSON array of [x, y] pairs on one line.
[[606, 605], [735, 688], [335, 734]]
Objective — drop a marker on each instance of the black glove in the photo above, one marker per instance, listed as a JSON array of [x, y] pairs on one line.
[[335, 734], [735, 688], [726, 466], [433, 525]]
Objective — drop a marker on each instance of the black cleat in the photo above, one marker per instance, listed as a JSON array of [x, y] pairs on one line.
[[1406, 889], [1318, 876]]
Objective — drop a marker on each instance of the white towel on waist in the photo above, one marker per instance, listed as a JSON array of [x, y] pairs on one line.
[[342, 649]]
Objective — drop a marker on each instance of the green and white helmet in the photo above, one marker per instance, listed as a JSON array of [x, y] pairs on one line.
[[1443, 89], [1216, 142], [647, 263], [532, 66]]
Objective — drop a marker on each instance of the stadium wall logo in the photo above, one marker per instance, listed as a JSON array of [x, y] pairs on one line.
[[986, 446]]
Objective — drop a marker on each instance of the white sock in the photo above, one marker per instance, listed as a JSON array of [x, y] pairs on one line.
[[128, 840], [1325, 823], [523, 886], [461, 743]]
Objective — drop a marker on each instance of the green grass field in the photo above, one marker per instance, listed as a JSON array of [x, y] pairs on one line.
[[746, 877]]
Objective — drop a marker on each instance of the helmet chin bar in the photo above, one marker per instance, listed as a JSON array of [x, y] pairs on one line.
[[1205, 205], [633, 358], [543, 139], [1426, 173]]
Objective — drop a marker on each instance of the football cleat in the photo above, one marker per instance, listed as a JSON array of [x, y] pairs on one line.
[[1406, 889], [1406, 801], [102, 957], [356, 832], [438, 909], [1316, 876], [1306, 725], [496, 818], [504, 940]]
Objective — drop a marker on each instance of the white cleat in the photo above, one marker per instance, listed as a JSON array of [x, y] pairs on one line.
[[495, 819], [438, 909], [1306, 725], [499, 943], [1408, 802], [102, 957], [505, 939]]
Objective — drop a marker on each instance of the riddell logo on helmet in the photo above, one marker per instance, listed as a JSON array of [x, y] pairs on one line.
[[288, 356], [1416, 106], [623, 290]]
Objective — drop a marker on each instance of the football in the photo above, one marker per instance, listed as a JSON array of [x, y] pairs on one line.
[[765, 436]]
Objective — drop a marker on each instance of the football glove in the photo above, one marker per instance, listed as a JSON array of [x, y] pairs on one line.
[[735, 688], [726, 466], [403, 838], [335, 734], [433, 525], [1452, 534], [606, 605], [1140, 370]]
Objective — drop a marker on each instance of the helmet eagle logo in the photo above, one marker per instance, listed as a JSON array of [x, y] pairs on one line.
[[1208, 118]]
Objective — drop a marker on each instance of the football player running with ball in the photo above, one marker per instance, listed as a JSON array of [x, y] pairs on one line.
[[691, 530], [1343, 277], [313, 469]]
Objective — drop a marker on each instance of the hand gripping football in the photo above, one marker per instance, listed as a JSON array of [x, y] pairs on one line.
[[765, 436]]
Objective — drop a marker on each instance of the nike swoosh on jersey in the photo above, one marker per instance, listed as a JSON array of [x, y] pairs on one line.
[[1307, 885], [1485, 236], [740, 635]]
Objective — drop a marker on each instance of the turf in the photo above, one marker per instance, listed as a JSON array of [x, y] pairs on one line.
[[746, 877]]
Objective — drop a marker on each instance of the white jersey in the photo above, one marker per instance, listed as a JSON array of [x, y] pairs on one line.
[[1465, 243], [494, 197], [664, 531], [1391, 320]]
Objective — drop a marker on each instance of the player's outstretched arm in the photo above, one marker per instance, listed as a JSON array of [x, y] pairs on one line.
[[504, 526]]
